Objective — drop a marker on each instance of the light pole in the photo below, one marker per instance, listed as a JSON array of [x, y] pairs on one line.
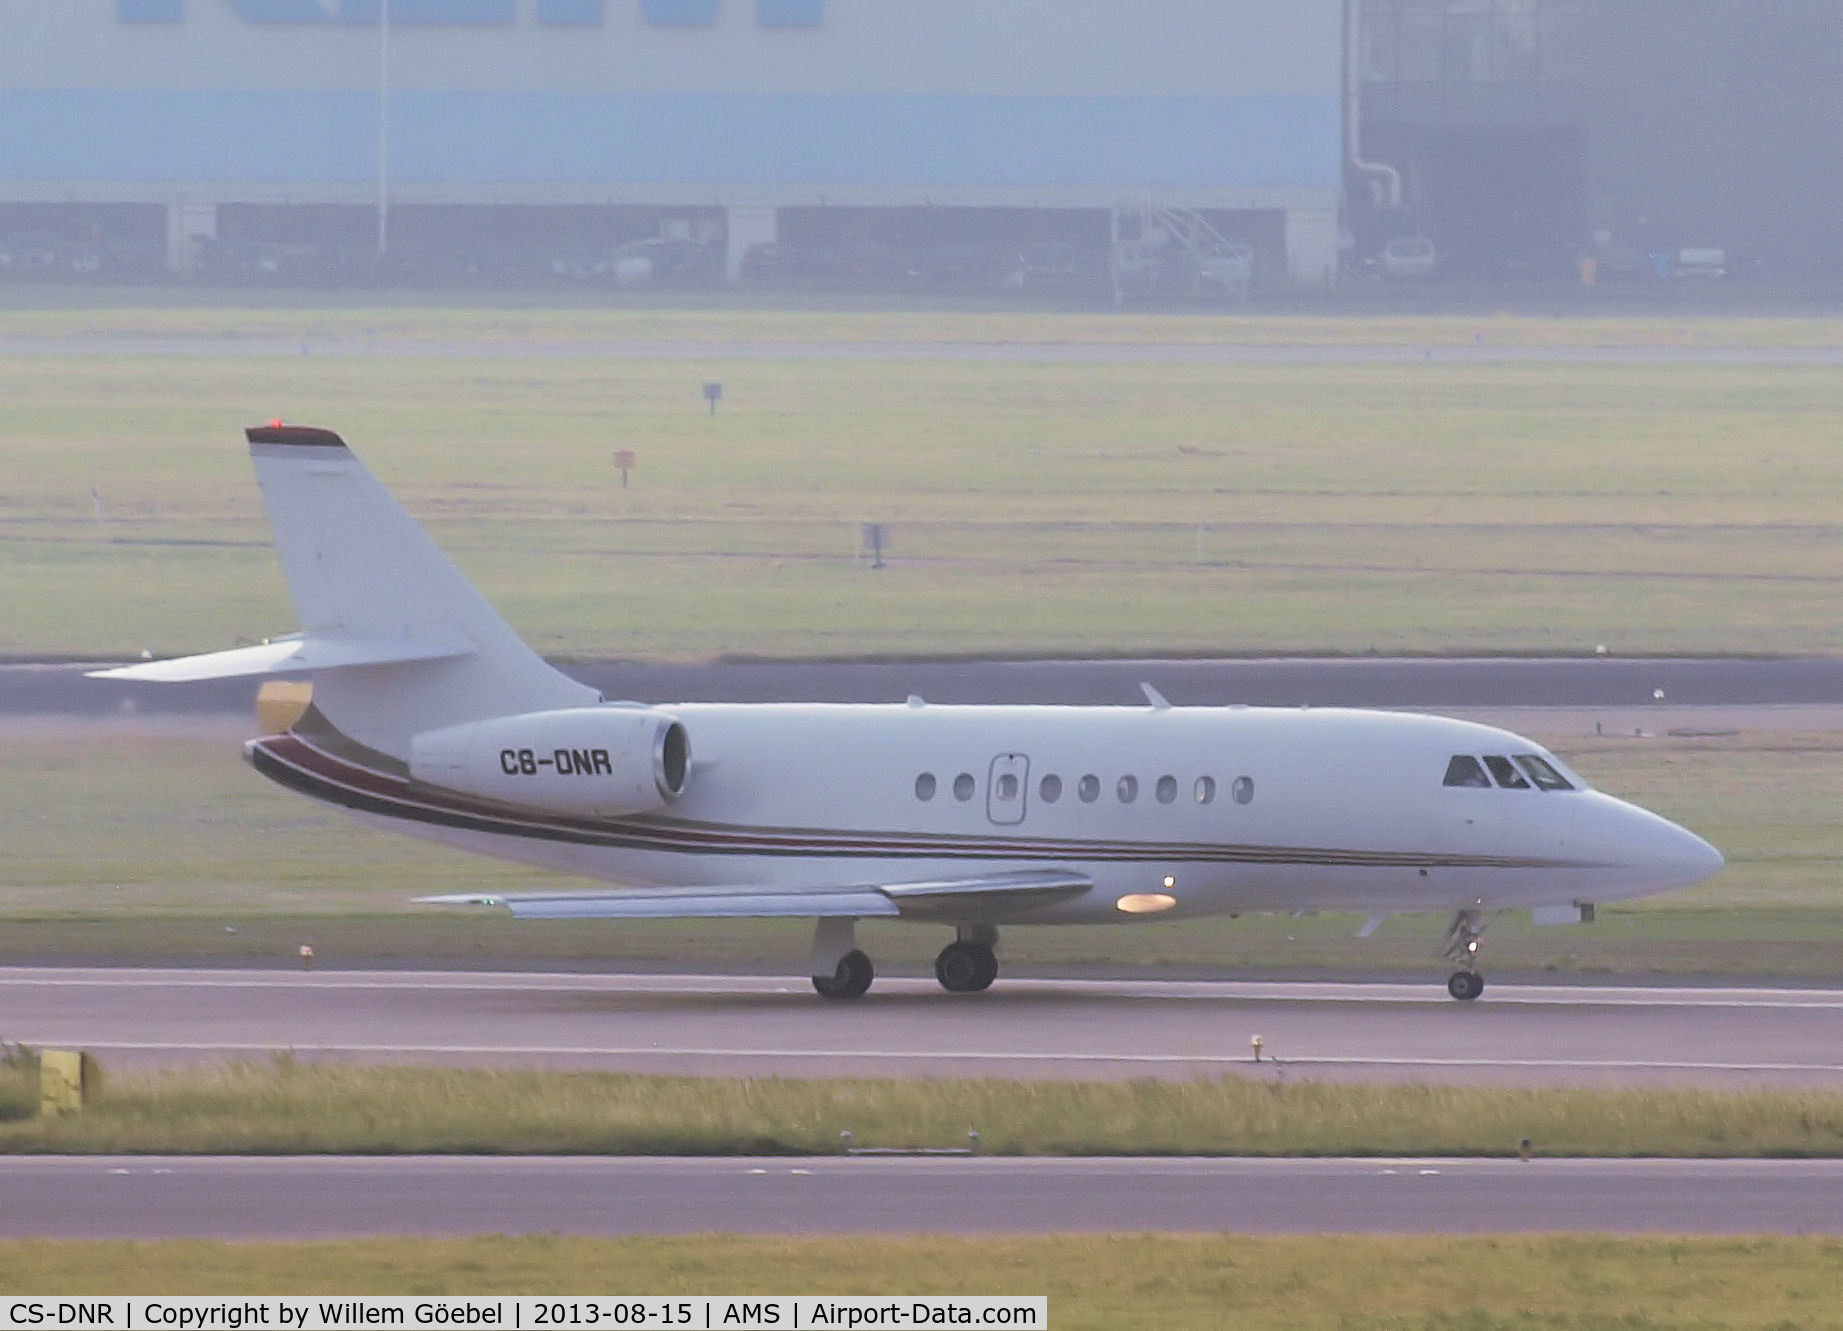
[[383, 127]]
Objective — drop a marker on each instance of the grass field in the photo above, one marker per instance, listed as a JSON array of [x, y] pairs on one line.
[[731, 316], [284, 1107], [1128, 1282], [159, 846], [1035, 507]]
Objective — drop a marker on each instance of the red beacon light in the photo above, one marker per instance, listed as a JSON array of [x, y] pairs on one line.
[[276, 424]]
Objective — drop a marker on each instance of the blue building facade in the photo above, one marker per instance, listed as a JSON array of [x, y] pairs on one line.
[[745, 105]]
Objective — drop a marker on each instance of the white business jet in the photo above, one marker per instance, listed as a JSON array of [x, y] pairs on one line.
[[430, 716]]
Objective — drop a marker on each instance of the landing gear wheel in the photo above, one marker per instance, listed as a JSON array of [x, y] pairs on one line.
[[966, 967], [850, 980], [1465, 985]]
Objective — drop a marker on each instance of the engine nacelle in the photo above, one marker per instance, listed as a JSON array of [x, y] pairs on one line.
[[584, 760]]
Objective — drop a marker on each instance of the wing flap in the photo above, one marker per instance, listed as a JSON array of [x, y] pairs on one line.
[[1025, 887], [684, 903], [1019, 885]]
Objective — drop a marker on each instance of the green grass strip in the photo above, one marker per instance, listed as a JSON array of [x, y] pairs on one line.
[[1117, 1282], [288, 1107]]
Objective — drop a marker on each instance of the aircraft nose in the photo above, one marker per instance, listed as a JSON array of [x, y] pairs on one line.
[[1653, 853], [1686, 857]]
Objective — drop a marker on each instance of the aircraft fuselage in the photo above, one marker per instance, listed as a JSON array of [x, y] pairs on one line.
[[1175, 811]]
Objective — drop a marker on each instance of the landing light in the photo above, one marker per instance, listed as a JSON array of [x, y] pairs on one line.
[[1145, 903], [1170, 882]]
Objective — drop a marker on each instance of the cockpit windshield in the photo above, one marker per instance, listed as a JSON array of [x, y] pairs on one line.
[[1507, 776], [1518, 773], [1464, 770], [1543, 773]]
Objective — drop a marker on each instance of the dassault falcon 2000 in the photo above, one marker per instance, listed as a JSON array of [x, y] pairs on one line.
[[429, 715]]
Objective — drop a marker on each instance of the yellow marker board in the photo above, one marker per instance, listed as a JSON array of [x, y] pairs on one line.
[[60, 1082]]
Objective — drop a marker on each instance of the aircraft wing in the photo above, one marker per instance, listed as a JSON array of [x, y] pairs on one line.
[[939, 896]]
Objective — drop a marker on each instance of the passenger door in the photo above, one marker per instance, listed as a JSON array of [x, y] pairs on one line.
[[1007, 788]]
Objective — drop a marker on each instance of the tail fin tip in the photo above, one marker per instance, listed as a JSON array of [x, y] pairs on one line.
[[299, 436]]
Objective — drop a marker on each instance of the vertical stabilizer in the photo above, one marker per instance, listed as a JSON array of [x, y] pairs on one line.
[[359, 569]]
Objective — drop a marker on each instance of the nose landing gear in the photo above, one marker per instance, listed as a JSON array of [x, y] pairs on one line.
[[1462, 939], [1465, 985]]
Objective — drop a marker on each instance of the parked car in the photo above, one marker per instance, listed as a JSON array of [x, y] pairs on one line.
[[29, 254], [578, 266], [960, 265], [1409, 258], [773, 261], [1226, 266], [669, 262], [1701, 261], [1052, 266]]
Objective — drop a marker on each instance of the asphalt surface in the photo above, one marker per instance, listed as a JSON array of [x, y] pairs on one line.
[[1457, 684], [320, 1197], [713, 1025], [1081, 353]]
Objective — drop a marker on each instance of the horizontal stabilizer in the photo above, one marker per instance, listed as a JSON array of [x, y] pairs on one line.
[[1025, 887], [297, 655]]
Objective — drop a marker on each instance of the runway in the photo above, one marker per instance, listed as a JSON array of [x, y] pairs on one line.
[[342, 1197], [1042, 353], [1028, 1029]]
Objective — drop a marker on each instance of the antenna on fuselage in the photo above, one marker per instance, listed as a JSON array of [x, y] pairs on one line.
[[1159, 702]]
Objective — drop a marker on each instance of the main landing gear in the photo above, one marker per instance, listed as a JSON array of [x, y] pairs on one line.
[[838, 968], [849, 979], [968, 965], [1462, 939]]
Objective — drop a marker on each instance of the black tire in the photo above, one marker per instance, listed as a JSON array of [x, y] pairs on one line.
[[850, 980], [966, 968], [1465, 985]]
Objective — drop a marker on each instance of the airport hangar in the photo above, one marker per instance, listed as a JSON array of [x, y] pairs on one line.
[[1509, 130]]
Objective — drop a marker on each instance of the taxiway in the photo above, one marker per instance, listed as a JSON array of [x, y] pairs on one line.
[[342, 1197]]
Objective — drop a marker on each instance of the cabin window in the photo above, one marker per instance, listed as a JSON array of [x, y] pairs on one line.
[[1507, 776], [1007, 787], [1543, 773], [1050, 789], [1206, 789], [1166, 789], [963, 787], [924, 787], [1464, 770], [1089, 788], [1127, 788], [1243, 790]]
